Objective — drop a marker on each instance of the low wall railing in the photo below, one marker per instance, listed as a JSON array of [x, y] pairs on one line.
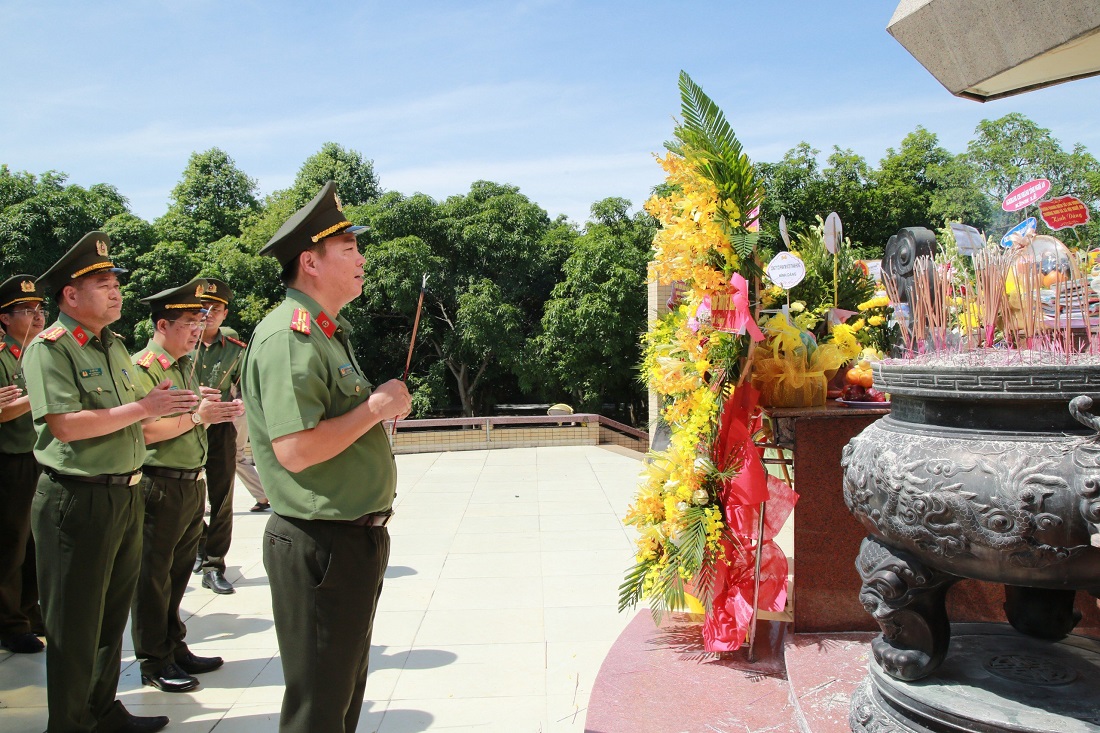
[[486, 433]]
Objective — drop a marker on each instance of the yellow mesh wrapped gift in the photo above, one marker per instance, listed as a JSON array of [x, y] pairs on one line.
[[796, 371]]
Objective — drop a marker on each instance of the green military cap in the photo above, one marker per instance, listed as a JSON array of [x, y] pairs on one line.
[[86, 256], [182, 297], [322, 217], [217, 290], [20, 289]]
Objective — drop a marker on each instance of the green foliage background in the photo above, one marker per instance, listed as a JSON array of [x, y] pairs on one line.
[[520, 307]]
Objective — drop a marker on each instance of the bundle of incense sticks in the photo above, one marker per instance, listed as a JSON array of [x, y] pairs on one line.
[[1002, 305]]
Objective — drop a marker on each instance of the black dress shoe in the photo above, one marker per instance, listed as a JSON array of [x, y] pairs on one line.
[[26, 643], [198, 565], [143, 724], [192, 664], [215, 581], [170, 678]]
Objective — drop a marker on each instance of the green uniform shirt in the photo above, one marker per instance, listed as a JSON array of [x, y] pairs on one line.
[[187, 451], [220, 363], [292, 381], [16, 436], [69, 370]]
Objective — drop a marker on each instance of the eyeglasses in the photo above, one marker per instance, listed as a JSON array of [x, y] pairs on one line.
[[191, 325], [36, 311]]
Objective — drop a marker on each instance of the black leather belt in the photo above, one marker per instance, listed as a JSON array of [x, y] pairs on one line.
[[106, 479], [171, 473], [379, 519]]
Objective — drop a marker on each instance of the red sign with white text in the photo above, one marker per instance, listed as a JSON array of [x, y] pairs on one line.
[[1026, 195], [1064, 212]]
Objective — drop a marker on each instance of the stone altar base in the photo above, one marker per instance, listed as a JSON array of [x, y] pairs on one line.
[[993, 679]]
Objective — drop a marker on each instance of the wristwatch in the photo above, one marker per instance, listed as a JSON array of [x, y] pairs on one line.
[[195, 418]]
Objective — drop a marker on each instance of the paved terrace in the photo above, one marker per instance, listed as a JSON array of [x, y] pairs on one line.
[[499, 605]]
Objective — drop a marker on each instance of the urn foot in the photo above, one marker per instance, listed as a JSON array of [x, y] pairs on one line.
[[1041, 612], [906, 599]]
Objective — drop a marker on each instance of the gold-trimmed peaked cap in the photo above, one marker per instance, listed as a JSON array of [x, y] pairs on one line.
[[217, 291], [91, 254], [20, 289], [186, 297], [322, 217]]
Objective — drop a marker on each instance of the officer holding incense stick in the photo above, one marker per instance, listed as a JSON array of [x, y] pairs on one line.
[[326, 464]]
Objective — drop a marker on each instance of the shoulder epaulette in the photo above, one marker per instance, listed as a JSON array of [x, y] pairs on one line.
[[3, 346], [238, 342], [53, 334], [301, 321], [146, 359]]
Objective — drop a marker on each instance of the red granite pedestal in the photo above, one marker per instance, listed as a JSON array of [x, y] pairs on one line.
[[659, 680]]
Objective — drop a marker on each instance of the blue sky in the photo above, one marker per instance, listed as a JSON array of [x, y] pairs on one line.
[[566, 99]]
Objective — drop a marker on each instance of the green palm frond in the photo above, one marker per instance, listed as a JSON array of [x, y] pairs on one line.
[[706, 138], [632, 589]]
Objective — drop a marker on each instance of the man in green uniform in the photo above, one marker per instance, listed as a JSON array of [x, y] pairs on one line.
[[23, 316], [217, 297], [218, 362], [172, 484], [326, 465], [87, 511]]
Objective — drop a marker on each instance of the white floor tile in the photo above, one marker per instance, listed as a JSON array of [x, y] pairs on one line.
[[498, 607]]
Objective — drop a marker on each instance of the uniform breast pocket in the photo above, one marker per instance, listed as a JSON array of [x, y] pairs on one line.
[[98, 389], [351, 384]]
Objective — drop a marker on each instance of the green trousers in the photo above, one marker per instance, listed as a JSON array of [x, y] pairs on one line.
[[88, 539], [19, 611], [221, 472], [173, 523], [325, 581]]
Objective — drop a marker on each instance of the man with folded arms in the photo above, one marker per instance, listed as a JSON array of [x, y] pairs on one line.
[[22, 316], [88, 508], [326, 464], [172, 484]]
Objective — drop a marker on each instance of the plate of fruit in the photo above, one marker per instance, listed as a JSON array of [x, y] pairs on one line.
[[859, 390], [855, 396]]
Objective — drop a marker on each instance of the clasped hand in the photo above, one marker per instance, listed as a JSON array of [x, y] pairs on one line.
[[391, 400]]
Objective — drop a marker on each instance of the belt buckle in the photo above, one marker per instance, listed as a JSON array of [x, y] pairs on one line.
[[134, 478]]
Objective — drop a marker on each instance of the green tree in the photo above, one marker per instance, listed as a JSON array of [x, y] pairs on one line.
[[213, 199], [42, 217], [356, 182], [502, 256], [492, 257], [1013, 149], [589, 345], [906, 183]]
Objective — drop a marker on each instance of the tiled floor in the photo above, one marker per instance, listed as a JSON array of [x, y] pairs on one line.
[[499, 606]]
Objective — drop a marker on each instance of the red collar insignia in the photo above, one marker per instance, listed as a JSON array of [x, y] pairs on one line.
[[300, 321], [80, 336], [327, 324], [165, 362], [15, 350]]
